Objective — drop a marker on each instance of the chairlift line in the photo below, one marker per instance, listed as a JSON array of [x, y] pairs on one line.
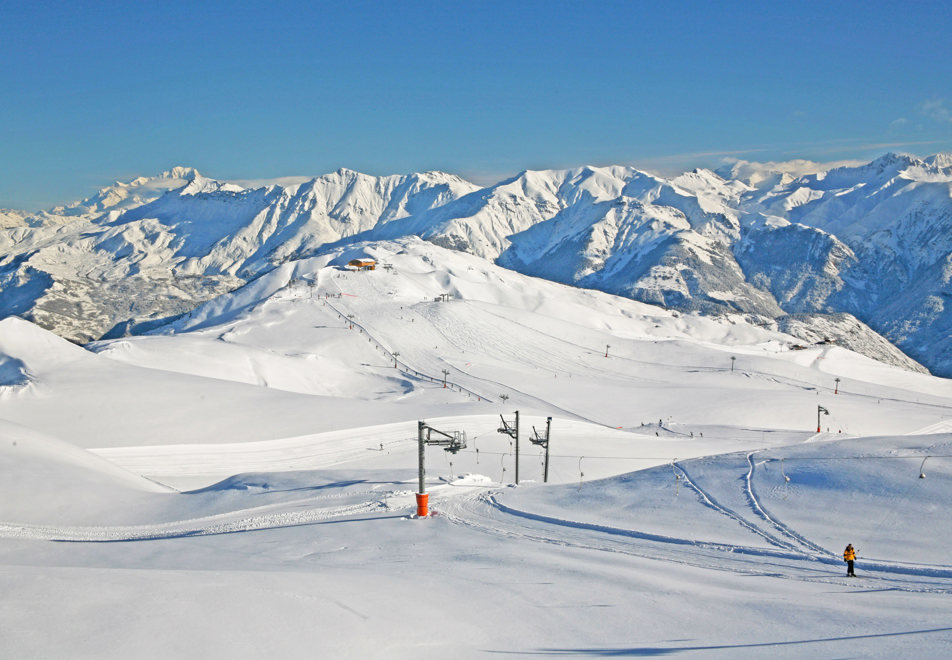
[[718, 458]]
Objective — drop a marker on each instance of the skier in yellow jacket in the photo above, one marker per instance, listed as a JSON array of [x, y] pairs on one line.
[[849, 555]]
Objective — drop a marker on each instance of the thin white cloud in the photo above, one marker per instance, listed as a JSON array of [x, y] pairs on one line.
[[878, 146], [937, 110], [486, 177], [753, 172], [677, 163]]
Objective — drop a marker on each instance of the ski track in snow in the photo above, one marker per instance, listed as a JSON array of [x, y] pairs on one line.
[[709, 501], [224, 523], [759, 509], [484, 512]]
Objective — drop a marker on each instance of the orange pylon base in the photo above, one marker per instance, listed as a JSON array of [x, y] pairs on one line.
[[422, 500]]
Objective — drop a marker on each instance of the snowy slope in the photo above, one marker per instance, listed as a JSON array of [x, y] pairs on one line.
[[241, 483]]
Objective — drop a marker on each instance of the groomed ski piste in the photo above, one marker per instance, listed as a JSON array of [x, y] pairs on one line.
[[242, 482]]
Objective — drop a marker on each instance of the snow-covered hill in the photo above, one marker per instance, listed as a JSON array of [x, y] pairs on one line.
[[241, 482], [869, 241]]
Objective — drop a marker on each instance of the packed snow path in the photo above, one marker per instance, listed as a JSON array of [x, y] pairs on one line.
[[789, 556], [270, 517], [487, 513]]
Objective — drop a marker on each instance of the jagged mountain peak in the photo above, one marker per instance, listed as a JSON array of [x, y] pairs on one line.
[[199, 185], [760, 239], [878, 172], [348, 177], [710, 184], [588, 183], [124, 195], [181, 172], [941, 161]]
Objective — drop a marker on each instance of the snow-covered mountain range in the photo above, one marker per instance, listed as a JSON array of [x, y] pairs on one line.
[[821, 256]]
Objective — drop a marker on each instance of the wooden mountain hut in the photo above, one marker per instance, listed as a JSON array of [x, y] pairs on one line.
[[362, 264]]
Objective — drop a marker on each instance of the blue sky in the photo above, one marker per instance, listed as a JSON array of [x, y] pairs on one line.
[[92, 94]]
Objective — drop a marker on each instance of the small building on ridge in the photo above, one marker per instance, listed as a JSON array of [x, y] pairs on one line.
[[362, 264]]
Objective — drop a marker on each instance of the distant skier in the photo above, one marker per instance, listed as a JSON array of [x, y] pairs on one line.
[[849, 556]]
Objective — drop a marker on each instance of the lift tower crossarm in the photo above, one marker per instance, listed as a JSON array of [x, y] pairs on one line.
[[512, 430], [543, 441], [451, 442]]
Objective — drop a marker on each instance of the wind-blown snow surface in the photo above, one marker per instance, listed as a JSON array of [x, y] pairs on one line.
[[241, 484]]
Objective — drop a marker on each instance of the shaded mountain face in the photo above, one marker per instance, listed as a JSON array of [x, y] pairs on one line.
[[872, 242]]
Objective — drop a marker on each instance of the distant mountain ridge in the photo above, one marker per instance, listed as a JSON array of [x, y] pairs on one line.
[[872, 241]]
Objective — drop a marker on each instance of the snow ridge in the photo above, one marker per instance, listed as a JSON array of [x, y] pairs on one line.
[[868, 242]]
